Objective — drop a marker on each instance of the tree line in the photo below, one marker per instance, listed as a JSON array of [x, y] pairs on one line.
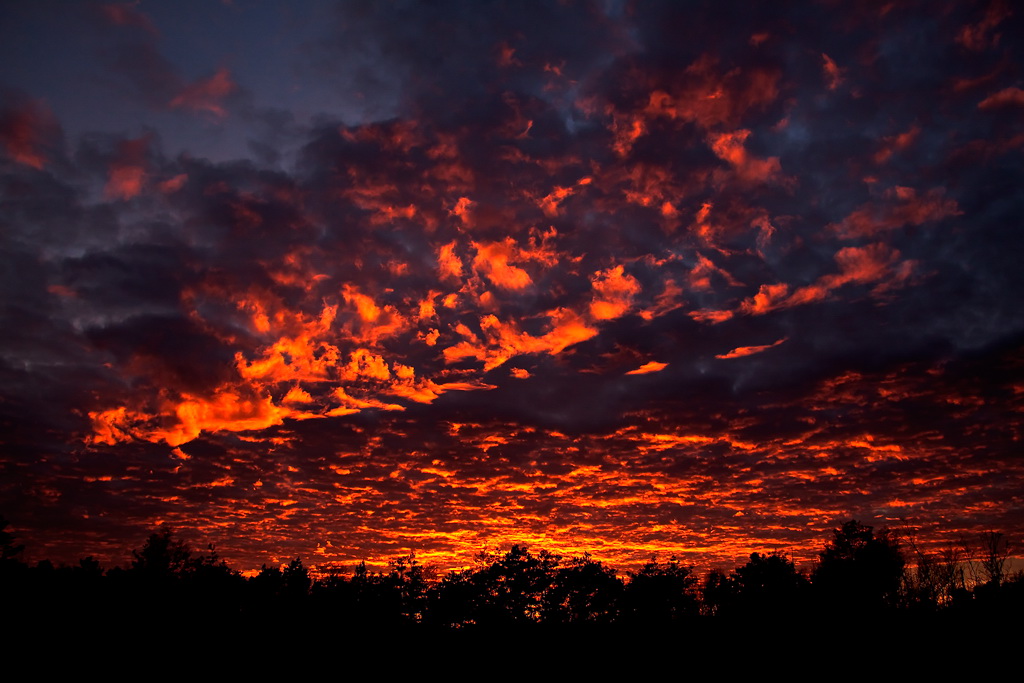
[[860, 574]]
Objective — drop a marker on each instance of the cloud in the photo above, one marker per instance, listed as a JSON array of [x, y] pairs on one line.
[[899, 207], [206, 95], [1004, 98], [650, 366], [833, 74], [127, 172], [28, 130], [492, 260], [614, 291], [124, 14], [741, 351], [981, 34]]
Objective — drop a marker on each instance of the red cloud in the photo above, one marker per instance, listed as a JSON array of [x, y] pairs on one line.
[[25, 131], [127, 172], [903, 206], [207, 95], [126, 15], [709, 98], [896, 143], [832, 72], [979, 36], [730, 147], [1006, 97]]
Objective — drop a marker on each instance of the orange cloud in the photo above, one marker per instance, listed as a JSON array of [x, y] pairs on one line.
[[113, 426], [226, 410], [463, 208], [351, 403], [492, 260], [448, 263], [364, 363], [669, 300], [741, 351], [711, 316], [428, 391], [504, 340], [613, 293], [549, 204], [857, 265], [298, 357], [767, 298], [373, 321], [703, 270], [652, 366], [297, 395], [183, 419], [368, 310]]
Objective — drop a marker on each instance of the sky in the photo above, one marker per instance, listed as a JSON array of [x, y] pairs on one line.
[[345, 280]]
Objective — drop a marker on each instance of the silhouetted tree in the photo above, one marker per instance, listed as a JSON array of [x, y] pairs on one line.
[[387, 599], [719, 594], [661, 593], [859, 570], [936, 579], [408, 580], [454, 601], [995, 551], [9, 550], [766, 584], [13, 573], [295, 579], [511, 590], [161, 558], [769, 583], [268, 583], [507, 590], [583, 590]]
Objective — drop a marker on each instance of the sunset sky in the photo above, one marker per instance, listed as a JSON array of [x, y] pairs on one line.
[[342, 280]]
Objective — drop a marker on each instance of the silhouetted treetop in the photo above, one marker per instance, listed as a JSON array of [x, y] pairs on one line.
[[860, 570], [161, 556], [9, 550], [662, 592]]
